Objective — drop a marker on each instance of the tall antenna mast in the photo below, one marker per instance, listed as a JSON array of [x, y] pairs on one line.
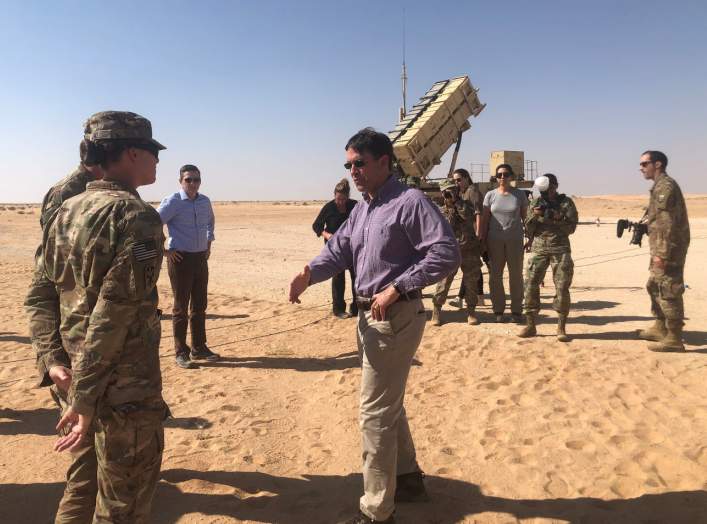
[[404, 75]]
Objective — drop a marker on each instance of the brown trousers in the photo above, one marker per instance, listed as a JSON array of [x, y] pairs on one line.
[[189, 279]]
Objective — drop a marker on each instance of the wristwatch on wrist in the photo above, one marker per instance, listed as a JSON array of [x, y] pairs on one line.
[[396, 286]]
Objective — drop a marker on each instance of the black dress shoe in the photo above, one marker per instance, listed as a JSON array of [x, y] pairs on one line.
[[204, 353], [183, 361], [363, 519], [342, 315], [410, 488]]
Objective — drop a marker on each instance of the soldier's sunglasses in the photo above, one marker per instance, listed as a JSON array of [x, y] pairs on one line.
[[356, 163], [149, 148]]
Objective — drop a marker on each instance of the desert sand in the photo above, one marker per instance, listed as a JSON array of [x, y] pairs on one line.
[[507, 429]]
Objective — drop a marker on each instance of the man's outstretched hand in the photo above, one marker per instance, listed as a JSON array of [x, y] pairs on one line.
[[299, 284], [78, 427]]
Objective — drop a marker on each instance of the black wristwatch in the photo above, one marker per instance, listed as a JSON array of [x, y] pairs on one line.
[[396, 287]]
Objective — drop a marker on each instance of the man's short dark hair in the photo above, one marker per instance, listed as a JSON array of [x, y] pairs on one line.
[[368, 140], [186, 168], [553, 179], [657, 156], [464, 174]]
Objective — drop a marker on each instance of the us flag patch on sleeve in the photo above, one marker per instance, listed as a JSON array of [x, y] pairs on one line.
[[145, 250]]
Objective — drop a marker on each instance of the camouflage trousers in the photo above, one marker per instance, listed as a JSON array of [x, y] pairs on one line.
[[471, 270], [78, 503], [562, 273], [666, 287], [112, 479], [129, 449]]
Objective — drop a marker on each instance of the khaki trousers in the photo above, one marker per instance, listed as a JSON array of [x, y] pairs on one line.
[[386, 350], [505, 249]]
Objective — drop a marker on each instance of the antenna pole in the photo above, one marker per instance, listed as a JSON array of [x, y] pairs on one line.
[[404, 76]]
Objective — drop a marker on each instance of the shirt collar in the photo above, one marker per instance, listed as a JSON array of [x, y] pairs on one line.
[[110, 184], [183, 195], [385, 191]]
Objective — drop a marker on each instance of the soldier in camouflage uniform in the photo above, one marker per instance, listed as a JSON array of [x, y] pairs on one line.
[[53, 364], [550, 220], [669, 238], [103, 253], [462, 217]]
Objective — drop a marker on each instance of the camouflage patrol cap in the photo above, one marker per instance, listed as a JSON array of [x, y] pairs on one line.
[[119, 125], [447, 185]]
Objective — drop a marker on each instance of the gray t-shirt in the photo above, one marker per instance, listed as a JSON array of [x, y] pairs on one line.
[[505, 211]]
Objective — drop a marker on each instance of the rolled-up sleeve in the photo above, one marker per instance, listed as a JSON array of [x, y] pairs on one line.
[[432, 237]]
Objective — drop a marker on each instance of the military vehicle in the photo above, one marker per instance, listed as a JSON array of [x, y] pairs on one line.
[[435, 123]]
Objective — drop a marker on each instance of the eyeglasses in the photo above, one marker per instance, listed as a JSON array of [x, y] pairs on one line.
[[504, 175], [149, 148], [644, 164], [356, 163], [190, 180]]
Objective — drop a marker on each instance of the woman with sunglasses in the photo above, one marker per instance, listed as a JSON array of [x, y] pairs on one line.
[[330, 219], [502, 231]]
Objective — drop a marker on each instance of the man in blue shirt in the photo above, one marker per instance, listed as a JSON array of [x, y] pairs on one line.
[[190, 223]]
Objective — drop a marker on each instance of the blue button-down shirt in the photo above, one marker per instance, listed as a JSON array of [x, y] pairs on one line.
[[190, 223], [399, 235]]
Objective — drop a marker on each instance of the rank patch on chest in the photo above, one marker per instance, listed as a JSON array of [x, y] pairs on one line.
[[145, 250]]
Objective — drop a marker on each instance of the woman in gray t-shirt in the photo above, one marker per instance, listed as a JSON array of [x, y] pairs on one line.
[[502, 229]]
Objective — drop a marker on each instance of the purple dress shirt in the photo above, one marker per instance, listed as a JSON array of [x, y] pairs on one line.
[[398, 236]]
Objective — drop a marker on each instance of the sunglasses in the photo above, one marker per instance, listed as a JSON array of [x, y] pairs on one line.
[[356, 163], [503, 175], [644, 164], [190, 180], [149, 148]]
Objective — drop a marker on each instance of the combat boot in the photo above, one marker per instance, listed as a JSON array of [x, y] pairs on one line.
[[459, 302], [655, 333], [529, 329], [472, 319], [436, 312], [561, 334], [672, 341]]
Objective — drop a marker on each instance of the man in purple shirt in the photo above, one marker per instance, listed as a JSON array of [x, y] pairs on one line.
[[398, 242]]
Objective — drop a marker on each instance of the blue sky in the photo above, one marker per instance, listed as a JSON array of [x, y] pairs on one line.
[[263, 95]]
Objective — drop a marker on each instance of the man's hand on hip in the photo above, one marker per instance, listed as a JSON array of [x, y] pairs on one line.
[[299, 284], [175, 257], [61, 376], [382, 301]]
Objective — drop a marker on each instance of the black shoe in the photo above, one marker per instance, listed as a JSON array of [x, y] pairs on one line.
[[518, 318], [204, 353], [363, 519], [342, 315], [411, 488], [183, 361]]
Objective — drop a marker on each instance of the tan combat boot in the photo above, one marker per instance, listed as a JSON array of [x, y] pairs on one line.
[[436, 312], [655, 333], [672, 341], [561, 334], [529, 329], [472, 319]]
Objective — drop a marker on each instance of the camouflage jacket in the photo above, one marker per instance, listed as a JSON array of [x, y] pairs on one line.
[[463, 220], [551, 236], [473, 196], [42, 303], [103, 252], [666, 217]]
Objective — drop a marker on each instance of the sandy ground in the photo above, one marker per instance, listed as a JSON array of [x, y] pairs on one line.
[[507, 430]]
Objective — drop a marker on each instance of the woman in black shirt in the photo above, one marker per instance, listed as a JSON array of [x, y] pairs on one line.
[[331, 217]]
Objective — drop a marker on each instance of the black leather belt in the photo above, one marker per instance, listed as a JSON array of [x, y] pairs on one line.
[[364, 303]]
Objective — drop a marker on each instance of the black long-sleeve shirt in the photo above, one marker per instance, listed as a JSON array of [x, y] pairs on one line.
[[330, 218]]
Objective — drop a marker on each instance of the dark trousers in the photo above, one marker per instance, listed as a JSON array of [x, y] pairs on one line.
[[189, 279], [338, 287]]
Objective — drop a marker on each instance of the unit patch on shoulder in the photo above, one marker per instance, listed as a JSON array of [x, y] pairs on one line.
[[145, 250]]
